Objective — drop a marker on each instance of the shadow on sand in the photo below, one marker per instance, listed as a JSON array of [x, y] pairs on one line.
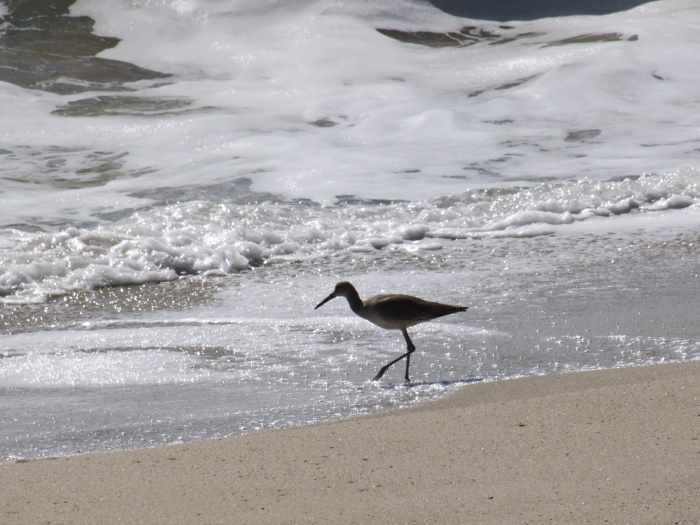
[[416, 384]]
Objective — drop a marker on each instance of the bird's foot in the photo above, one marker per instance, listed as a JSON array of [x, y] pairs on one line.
[[380, 373]]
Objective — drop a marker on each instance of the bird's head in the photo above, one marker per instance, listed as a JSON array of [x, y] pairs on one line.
[[342, 289]]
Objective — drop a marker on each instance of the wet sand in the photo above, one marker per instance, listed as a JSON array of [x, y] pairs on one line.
[[617, 446]]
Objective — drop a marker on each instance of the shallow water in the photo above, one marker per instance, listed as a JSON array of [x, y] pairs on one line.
[[163, 240], [214, 356]]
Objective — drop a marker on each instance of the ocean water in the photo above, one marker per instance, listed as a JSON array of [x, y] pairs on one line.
[[181, 182]]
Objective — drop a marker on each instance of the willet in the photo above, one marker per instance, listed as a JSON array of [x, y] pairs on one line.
[[393, 312]]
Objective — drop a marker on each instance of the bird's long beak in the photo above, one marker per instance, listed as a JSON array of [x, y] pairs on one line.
[[331, 296]]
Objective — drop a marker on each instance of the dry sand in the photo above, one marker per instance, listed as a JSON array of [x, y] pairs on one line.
[[614, 446]]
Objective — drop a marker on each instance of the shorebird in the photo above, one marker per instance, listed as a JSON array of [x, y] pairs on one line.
[[392, 312]]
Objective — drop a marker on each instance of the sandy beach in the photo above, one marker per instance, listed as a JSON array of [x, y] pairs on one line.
[[613, 446]]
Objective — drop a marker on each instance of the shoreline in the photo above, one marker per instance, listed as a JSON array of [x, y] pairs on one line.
[[621, 445]]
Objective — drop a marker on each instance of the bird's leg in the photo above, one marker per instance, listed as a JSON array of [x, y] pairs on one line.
[[411, 348], [407, 355], [383, 370]]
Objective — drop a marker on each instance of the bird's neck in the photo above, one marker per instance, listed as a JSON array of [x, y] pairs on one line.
[[356, 304]]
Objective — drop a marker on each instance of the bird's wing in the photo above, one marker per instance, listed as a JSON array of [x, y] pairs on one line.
[[402, 307]]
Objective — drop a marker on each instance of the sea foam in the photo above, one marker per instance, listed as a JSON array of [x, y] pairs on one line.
[[203, 237]]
